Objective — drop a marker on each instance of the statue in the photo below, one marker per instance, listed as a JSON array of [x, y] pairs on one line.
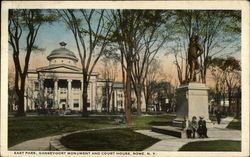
[[194, 51]]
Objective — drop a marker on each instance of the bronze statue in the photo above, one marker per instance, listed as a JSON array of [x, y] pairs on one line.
[[194, 51]]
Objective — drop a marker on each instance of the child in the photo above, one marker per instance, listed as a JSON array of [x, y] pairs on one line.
[[187, 127]]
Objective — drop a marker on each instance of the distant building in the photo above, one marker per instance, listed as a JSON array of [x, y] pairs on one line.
[[59, 86]]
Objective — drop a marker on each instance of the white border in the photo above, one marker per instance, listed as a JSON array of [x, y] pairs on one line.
[[221, 5]]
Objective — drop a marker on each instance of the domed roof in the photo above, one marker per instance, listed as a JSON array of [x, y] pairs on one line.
[[62, 53]]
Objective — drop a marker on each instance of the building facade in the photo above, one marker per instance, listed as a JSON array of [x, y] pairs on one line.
[[59, 86]]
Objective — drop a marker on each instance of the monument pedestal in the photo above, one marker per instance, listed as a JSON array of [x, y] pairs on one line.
[[192, 100]]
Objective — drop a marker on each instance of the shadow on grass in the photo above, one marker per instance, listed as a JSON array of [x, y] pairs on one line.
[[160, 123], [216, 145]]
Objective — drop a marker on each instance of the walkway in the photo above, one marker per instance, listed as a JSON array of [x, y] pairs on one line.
[[170, 143], [39, 144]]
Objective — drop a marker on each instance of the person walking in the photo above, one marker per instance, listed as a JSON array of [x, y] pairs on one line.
[[218, 116], [187, 127], [194, 126]]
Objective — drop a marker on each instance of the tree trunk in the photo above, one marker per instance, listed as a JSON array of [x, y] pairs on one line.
[[20, 93], [128, 94], [108, 96], [138, 95], [229, 100], [238, 103], [113, 101], [147, 102], [84, 95]]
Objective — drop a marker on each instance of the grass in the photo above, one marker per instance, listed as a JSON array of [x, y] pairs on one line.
[[235, 124], [21, 129], [147, 122], [108, 140], [26, 128], [217, 145]]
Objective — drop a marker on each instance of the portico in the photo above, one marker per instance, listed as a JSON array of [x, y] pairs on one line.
[[59, 85]]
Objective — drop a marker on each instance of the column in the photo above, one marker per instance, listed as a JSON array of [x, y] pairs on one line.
[[42, 94], [46, 97], [69, 101], [123, 101], [94, 100], [81, 101], [55, 94], [115, 100]]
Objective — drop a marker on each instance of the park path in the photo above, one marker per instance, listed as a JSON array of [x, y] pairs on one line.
[[170, 143], [39, 144]]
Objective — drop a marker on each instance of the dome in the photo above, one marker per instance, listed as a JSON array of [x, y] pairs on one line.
[[62, 53]]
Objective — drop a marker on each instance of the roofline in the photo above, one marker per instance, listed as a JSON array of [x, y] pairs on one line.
[[59, 56], [50, 71]]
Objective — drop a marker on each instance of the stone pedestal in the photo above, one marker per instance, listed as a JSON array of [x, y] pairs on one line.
[[192, 100]]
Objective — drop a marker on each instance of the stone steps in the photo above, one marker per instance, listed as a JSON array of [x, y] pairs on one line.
[[169, 130]]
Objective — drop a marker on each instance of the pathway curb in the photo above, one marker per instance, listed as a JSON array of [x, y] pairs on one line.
[[55, 144]]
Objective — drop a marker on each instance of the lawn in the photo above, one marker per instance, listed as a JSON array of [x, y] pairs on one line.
[[26, 128], [108, 140], [217, 145], [235, 124]]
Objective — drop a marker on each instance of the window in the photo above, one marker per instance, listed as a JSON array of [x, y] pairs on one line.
[[88, 103], [50, 103], [63, 90], [36, 86], [62, 100], [50, 91], [119, 103], [76, 103], [62, 61]]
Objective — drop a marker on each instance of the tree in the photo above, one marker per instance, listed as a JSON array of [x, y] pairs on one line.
[[24, 23], [226, 72], [219, 77], [180, 60], [150, 85], [231, 68], [147, 46], [133, 36], [91, 29], [11, 87], [109, 73], [218, 35], [158, 92]]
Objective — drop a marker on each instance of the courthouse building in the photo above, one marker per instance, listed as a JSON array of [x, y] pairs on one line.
[[59, 86]]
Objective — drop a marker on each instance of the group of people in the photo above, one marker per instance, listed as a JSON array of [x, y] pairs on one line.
[[191, 127]]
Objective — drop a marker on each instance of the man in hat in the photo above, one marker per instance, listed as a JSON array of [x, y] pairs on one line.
[[202, 128]]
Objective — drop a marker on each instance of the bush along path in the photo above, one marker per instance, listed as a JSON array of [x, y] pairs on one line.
[[170, 143]]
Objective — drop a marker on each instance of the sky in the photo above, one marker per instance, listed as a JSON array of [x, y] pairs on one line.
[[50, 35]]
